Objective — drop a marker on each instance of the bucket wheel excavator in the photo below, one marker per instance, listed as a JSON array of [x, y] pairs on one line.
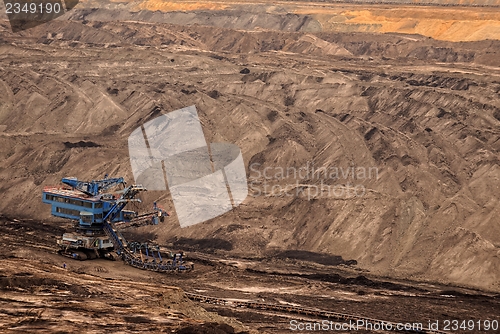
[[98, 213]]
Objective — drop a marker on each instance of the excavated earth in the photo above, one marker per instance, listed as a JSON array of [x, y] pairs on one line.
[[423, 114], [449, 20], [39, 295]]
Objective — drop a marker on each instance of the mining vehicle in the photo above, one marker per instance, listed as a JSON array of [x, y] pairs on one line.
[[97, 208]]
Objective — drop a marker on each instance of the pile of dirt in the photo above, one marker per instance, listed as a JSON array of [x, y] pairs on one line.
[[177, 300], [41, 293], [420, 117]]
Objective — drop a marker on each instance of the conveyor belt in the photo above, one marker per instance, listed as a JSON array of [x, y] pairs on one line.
[[137, 261]]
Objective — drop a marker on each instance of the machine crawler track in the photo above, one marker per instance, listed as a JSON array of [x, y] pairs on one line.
[[73, 254], [81, 255]]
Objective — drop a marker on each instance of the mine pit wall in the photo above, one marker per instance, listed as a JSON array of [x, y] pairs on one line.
[[454, 242], [442, 20], [449, 20]]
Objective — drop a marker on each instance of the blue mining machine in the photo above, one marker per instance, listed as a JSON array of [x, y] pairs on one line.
[[97, 214]]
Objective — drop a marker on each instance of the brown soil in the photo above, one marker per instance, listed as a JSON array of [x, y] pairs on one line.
[[422, 243], [37, 294], [425, 113]]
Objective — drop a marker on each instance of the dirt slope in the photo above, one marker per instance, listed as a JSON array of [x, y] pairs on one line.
[[426, 114], [44, 292], [454, 20], [446, 20]]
